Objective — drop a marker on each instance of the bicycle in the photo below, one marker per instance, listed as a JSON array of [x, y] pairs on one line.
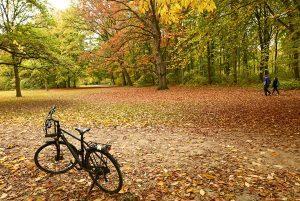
[[58, 156]]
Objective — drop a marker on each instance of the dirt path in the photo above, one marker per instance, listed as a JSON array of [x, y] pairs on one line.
[[197, 156]]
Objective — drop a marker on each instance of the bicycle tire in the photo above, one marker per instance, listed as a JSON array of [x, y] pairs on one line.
[[53, 145], [92, 169]]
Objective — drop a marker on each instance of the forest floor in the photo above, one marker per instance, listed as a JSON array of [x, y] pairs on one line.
[[210, 143]]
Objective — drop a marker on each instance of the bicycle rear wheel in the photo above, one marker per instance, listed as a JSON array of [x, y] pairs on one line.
[[105, 170], [54, 157]]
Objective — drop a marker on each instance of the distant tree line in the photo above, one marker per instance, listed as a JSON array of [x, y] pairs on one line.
[[147, 42]]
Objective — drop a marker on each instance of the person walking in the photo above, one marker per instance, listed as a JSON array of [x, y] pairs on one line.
[[267, 83], [275, 85]]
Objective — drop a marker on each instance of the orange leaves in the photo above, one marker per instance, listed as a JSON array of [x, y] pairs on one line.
[[208, 176], [124, 24], [184, 143]]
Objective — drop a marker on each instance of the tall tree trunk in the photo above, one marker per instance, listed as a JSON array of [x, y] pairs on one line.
[[234, 37], [264, 34], [276, 53], [245, 62], [245, 55], [46, 84], [226, 63], [17, 81], [127, 76], [161, 66], [209, 71], [182, 75], [74, 82], [227, 69], [153, 79], [234, 63], [220, 61], [296, 39], [123, 79], [295, 63], [112, 78], [264, 60], [69, 82]]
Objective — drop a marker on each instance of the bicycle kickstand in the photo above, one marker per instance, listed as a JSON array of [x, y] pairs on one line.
[[92, 186]]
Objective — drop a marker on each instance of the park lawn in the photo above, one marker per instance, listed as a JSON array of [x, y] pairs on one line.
[[183, 143]]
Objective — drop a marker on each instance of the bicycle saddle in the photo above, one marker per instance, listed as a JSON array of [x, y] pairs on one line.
[[82, 130]]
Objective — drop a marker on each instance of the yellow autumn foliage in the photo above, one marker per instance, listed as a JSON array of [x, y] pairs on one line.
[[171, 10]]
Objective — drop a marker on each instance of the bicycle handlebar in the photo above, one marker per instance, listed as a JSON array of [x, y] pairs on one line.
[[49, 122], [52, 111]]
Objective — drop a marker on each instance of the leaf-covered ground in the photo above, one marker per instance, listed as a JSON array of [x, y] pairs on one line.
[[209, 143]]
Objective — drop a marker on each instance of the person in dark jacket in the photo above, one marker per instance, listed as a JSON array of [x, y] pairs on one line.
[[275, 85], [267, 83]]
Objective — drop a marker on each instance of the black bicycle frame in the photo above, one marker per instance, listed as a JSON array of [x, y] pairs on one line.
[[84, 147], [76, 153]]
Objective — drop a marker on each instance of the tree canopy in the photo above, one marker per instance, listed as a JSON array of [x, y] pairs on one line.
[[148, 42]]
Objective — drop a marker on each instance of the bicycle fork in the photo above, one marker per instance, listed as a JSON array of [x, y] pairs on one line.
[[58, 156]]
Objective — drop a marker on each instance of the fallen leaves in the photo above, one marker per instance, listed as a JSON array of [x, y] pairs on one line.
[[208, 176], [3, 159], [81, 180], [278, 166], [61, 188], [247, 184], [3, 196], [161, 183], [181, 144], [202, 192]]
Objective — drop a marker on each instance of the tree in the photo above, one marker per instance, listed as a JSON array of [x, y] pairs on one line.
[[265, 30], [20, 35], [287, 14], [144, 21], [70, 46]]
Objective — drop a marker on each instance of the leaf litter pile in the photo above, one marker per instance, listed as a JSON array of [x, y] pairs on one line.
[[209, 143]]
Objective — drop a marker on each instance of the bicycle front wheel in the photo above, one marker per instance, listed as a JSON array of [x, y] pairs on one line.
[[54, 157], [105, 170]]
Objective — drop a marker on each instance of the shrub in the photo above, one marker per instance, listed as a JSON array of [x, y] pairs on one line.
[[106, 81], [6, 83], [193, 78], [27, 83], [288, 85], [174, 78], [145, 80], [118, 81]]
